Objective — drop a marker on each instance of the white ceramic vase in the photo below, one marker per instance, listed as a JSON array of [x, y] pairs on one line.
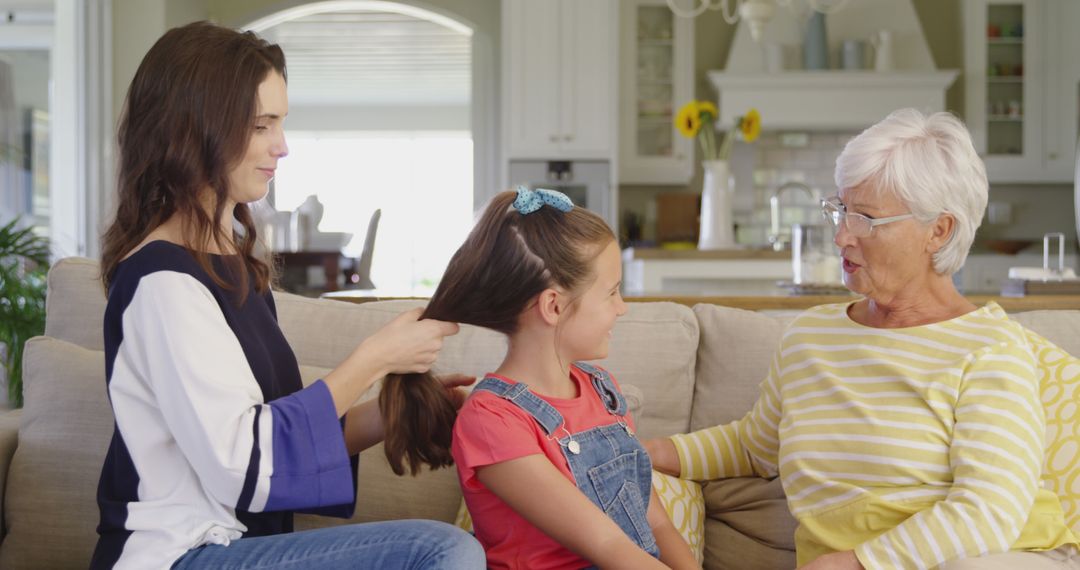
[[717, 227]]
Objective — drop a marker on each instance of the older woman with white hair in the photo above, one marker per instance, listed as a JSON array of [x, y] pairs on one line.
[[906, 426]]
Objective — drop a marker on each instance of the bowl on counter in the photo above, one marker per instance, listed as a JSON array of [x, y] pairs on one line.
[[328, 241]]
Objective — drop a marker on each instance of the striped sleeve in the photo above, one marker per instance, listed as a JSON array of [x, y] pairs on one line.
[[287, 454], [748, 446], [995, 458]]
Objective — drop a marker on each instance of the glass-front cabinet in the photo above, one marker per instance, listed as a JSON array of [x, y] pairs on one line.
[[656, 78], [1005, 79], [1017, 107]]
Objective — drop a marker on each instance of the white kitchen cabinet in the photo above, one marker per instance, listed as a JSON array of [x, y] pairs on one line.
[[559, 78], [656, 78], [1021, 87]]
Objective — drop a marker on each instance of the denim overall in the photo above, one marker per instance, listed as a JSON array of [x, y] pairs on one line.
[[609, 465]]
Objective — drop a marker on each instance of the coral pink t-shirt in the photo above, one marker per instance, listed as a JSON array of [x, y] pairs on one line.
[[489, 430]]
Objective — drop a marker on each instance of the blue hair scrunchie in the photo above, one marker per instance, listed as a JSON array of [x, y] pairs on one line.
[[529, 201]]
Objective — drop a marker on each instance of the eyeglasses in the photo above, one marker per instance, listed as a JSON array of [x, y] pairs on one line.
[[857, 225]]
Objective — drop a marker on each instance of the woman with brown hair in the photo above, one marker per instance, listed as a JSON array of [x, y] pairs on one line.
[[552, 473], [216, 441]]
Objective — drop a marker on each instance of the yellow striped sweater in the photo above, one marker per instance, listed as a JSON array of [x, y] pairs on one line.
[[912, 446]]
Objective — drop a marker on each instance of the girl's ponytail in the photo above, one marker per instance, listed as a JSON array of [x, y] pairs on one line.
[[419, 418]]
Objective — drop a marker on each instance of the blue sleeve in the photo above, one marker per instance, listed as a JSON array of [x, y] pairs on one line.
[[311, 466]]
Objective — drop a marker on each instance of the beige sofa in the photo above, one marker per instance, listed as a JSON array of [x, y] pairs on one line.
[[694, 367]]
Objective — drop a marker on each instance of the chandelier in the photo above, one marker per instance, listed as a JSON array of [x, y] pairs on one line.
[[756, 12]]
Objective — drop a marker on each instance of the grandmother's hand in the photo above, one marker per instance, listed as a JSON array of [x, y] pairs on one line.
[[662, 452], [453, 383], [836, 561]]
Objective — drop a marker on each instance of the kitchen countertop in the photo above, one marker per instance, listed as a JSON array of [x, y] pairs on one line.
[[780, 302], [633, 253], [801, 302]]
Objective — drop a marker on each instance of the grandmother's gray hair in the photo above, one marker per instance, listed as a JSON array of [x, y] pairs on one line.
[[930, 164]]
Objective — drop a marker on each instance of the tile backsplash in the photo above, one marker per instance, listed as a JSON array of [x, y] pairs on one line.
[[810, 157], [776, 158]]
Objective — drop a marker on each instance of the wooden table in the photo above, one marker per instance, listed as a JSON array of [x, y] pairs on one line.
[[330, 261]]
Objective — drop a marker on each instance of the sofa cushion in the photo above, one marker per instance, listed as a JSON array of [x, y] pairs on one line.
[[1059, 327], [654, 347], [748, 525], [9, 440], [732, 360], [50, 508], [324, 332], [75, 303]]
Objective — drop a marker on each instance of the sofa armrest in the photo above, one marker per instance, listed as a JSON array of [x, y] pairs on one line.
[[9, 440]]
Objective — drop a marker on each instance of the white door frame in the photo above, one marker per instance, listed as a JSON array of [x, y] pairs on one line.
[[80, 126]]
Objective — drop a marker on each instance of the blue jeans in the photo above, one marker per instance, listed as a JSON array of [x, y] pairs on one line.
[[406, 544]]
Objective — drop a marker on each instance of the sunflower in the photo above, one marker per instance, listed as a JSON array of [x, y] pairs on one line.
[[750, 125], [707, 108], [688, 121]]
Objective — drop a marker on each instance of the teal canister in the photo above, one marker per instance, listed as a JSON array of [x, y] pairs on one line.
[[815, 44]]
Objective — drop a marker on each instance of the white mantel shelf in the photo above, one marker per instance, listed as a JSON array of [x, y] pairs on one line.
[[827, 100]]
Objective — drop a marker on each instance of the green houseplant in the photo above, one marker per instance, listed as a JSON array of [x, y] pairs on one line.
[[24, 261]]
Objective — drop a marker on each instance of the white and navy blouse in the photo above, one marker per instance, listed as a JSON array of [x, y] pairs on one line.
[[215, 436]]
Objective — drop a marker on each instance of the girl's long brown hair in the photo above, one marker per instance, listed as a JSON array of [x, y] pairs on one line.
[[505, 262], [187, 120]]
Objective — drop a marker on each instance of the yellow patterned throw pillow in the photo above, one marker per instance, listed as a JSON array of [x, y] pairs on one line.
[[685, 504], [1059, 381], [682, 499], [464, 519]]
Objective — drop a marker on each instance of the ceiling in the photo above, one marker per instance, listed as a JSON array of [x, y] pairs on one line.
[[373, 58]]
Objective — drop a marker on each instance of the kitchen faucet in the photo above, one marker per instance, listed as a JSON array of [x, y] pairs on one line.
[[775, 238]]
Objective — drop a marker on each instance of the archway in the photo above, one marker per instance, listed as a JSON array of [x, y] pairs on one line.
[[380, 117]]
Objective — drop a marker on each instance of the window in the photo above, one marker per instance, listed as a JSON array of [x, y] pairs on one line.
[[24, 137], [422, 181]]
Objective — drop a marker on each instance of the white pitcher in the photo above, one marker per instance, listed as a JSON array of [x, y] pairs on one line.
[[883, 50]]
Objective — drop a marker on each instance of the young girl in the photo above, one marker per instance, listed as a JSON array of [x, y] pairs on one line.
[[552, 473]]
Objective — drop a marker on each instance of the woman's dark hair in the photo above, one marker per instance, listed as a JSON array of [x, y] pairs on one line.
[[187, 121], [507, 260]]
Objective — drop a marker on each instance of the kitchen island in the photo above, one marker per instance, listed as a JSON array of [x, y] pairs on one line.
[[693, 272]]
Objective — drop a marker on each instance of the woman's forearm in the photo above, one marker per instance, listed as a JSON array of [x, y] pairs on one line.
[[363, 426], [350, 379]]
